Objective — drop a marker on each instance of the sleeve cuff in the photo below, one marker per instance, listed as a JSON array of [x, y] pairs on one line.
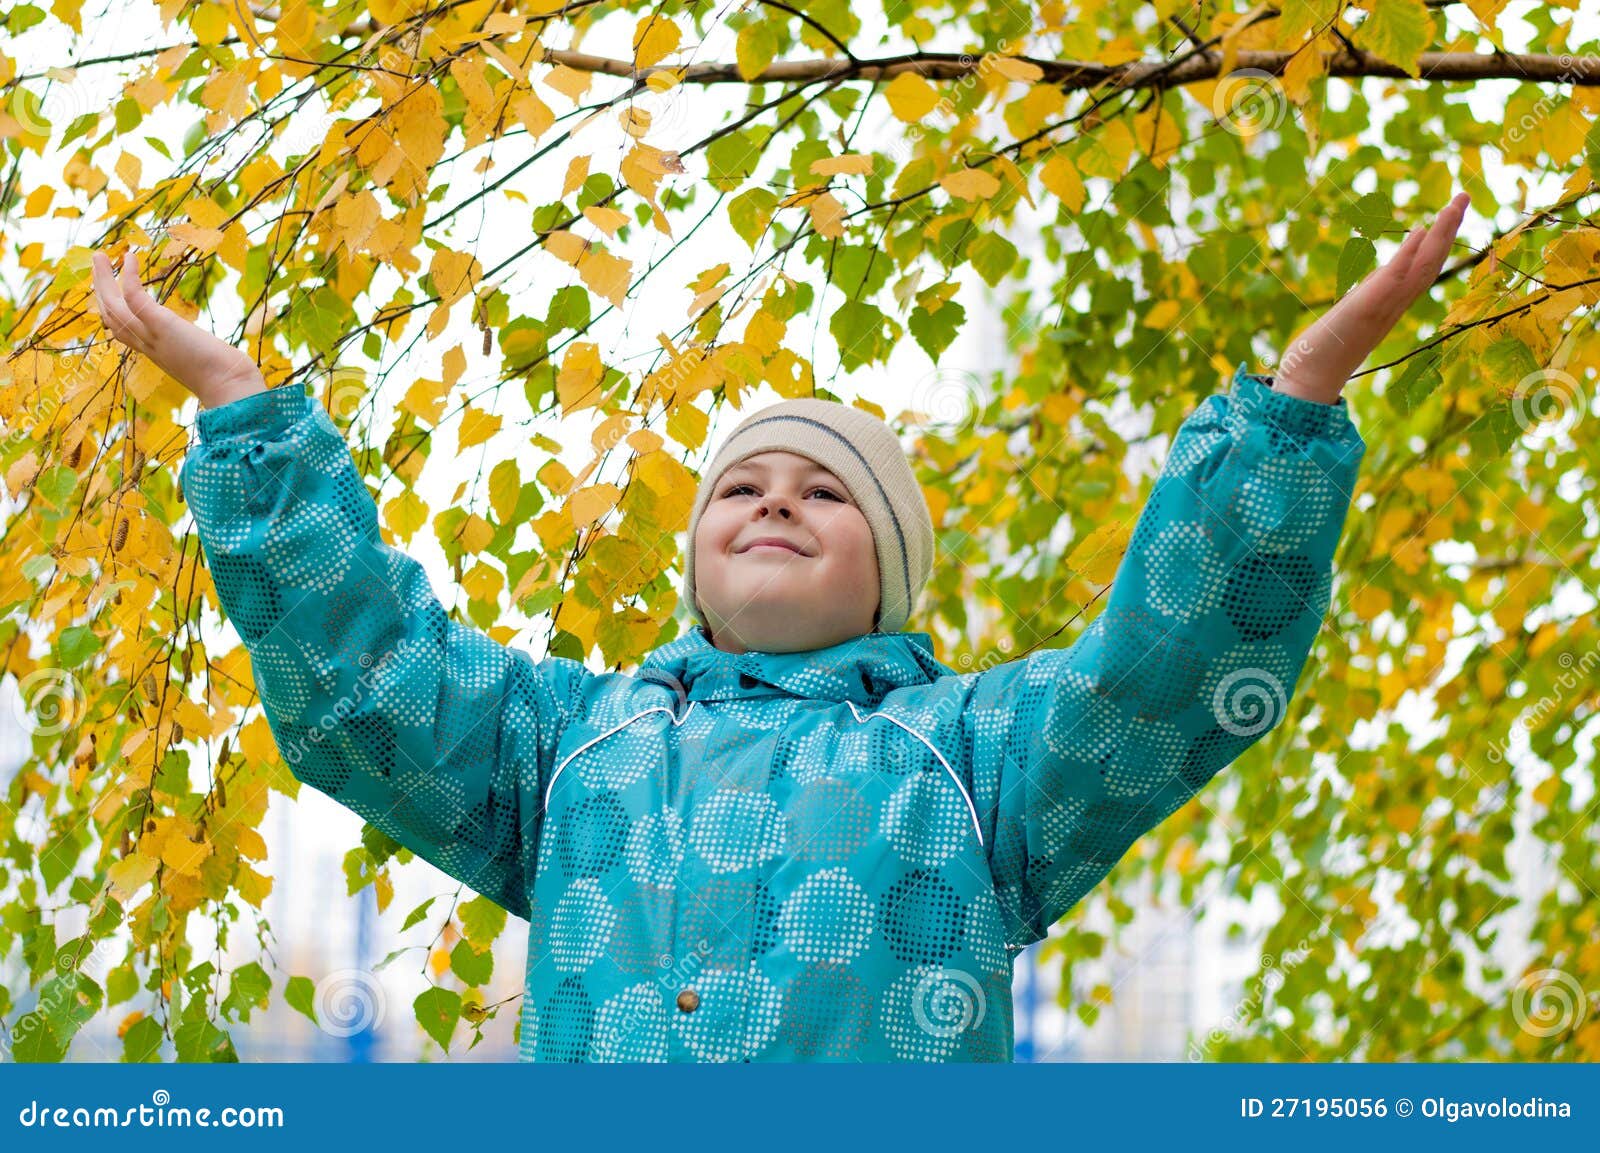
[[259, 416], [1293, 414]]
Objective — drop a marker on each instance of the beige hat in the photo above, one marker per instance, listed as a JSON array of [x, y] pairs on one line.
[[864, 453]]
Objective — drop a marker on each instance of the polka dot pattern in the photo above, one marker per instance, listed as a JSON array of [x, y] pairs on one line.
[[829, 855]]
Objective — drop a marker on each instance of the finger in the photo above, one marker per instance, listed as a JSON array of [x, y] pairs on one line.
[[104, 285], [1443, 233]]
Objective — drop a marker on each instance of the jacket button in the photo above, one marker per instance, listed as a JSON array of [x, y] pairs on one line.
[[688, 1000]]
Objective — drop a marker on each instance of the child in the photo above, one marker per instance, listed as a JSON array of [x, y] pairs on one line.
[[794, 834]]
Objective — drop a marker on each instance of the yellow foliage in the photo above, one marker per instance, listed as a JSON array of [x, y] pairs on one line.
[[910, 97]]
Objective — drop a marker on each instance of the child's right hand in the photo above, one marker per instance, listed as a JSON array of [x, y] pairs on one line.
[[213, 370]]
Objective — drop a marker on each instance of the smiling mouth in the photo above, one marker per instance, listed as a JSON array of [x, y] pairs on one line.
[[774, 548]]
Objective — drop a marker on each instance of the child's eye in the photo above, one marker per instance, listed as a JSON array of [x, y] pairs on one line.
[[741, 487]]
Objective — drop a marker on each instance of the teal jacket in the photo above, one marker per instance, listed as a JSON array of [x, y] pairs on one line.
[[827, 855]]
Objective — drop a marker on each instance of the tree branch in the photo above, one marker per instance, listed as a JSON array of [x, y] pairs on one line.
[[1073, 74]]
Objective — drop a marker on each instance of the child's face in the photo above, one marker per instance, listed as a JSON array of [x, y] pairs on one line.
[[772, 599]]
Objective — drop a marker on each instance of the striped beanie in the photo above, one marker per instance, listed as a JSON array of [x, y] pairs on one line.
[[864, 453]]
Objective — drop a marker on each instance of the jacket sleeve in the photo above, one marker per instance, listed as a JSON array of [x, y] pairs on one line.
[[1076, 752], [430, 730]]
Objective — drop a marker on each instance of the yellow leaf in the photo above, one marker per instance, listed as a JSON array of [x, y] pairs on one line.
[[476, 533], [1405, 817], [688, 425], [477, 426], [252, 886], [588, 505], [505, 489], [653, 38], [565, 245], [130, 874], [606, 219], [970, 184], [405, 514], [1098, 554], [1161, 315], [848, 164], [183, 855], [1060, 177], [454, 274], [581, 373], [256, 742], [249, 843], [425, 399], [644, 441], [606, 275], [555, 476], [577, 173], [570, 82], [483, 582], [1011, 68], [1545, 791], [1491, 679], [910, 97], [204, 239], [764, 332], [1158, 133], [1013, 176], [535, 114], [827, 216]]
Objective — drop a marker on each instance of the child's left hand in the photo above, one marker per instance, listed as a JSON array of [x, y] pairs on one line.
[[1321, 359]]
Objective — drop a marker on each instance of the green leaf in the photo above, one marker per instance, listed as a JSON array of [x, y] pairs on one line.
[[1358, 257], [935, 331], [121, 984], [417, 914], [76, 645], [751, 211], [380, 845], [141, 1044], [732, 159], [569, 308], [1416, 383], [66, 1002], [23, 17], [860, 329], [55, 485], [993, 256], [249, 988], [471, 965], [481, 920], [437, 1011], [1371, 215], [61, 852], [199, 1040], [1397, 31], [395, 955], [756, 46], [301, 995]]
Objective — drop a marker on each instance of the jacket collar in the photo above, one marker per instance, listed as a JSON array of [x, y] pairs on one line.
[[864, 669]]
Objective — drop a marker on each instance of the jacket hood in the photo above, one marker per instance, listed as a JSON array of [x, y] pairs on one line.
[[864, 669]]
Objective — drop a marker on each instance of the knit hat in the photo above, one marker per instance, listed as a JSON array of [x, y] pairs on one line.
[[864, 453]]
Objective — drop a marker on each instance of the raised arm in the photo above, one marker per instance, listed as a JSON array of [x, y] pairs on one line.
[[429, 729], [1076, 752]]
